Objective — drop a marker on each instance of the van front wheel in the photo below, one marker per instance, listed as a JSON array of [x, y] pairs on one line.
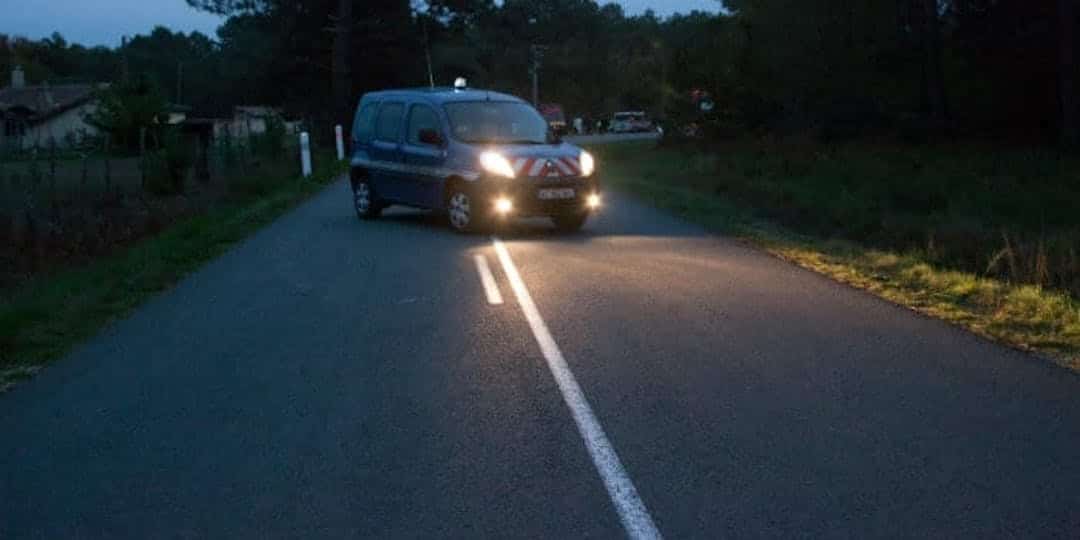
[[463, 210]]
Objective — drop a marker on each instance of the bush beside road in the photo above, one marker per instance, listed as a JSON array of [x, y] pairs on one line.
[[915, 236]]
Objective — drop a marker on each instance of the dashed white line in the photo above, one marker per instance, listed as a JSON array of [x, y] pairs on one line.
[[632, 512], [491, 289]]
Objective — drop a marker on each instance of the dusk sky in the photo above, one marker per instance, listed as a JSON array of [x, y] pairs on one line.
[[102, 22]]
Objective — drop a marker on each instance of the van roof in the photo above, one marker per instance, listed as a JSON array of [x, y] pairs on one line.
[[441, 95]]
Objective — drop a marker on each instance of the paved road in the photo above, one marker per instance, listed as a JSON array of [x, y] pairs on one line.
[[329, 378]]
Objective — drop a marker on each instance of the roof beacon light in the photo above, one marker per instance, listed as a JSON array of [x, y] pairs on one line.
[[460, 83]]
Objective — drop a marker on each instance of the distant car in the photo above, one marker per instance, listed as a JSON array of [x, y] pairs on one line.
[[555, 117], [631, 122], [479, 156]]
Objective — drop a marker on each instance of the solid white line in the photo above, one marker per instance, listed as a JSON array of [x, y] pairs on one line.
[[635, 517], [491, 289]]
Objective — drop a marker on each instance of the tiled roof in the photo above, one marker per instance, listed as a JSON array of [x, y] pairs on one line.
[[44, 101]]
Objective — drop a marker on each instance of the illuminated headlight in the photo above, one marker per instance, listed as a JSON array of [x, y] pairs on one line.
[[495, 163], [593, 201], [588, 164], [504, 205]]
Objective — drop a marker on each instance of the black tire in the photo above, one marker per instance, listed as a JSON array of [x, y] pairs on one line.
[[464, 210], [570, 222], [365, 202]]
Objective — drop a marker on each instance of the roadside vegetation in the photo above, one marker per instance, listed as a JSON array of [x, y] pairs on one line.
[[984, 238], [48, 312], [981, 233]]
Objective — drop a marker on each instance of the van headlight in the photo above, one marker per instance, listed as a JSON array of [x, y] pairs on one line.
[[496, 163], [588, 163]]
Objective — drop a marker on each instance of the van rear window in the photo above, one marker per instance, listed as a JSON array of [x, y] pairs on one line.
[[364, 126], [388, 122]]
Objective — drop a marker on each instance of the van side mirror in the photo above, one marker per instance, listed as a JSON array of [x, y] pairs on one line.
[[430, 136], [553, 136]]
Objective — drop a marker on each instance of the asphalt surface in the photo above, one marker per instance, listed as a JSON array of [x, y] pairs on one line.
[[331, 378]]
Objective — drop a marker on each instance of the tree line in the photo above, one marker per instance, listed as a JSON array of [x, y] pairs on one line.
[[1001, 69]]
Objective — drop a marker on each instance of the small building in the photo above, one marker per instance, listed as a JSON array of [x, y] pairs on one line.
[[176, 114], [246, 121], [42, 115]]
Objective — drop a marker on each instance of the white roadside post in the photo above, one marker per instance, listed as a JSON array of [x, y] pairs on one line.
[[340, 142], [305, 154]]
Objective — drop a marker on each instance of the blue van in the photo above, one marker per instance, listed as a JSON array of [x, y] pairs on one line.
[[478, 156]]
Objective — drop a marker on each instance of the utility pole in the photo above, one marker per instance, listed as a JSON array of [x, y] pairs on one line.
[[427, 53], [537, 62], [341, 64], [124, 71]]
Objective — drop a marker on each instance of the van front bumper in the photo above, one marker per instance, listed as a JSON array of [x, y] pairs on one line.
[[543, 197]]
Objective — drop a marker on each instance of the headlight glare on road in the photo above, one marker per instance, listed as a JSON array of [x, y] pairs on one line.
[[495, 163], [588, 164]]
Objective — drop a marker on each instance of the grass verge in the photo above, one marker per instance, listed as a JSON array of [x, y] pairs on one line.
[[1028, 317], [44, 318]]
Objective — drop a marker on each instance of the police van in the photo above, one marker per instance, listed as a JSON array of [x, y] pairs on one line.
[[481, 157]]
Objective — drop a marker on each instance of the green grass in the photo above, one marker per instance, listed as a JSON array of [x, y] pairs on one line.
[[43, 318], [711, 188], [1005, 213]]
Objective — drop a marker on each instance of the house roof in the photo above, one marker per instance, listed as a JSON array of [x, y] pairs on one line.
[[254, 110], [45, 101]]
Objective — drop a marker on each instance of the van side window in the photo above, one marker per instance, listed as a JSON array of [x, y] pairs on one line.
[[365, 124], [388, 122], [421, 117]]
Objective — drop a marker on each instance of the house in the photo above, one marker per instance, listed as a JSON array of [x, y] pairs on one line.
[[42, 115]]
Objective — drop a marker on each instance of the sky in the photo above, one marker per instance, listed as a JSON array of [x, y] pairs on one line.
[[103, 22]]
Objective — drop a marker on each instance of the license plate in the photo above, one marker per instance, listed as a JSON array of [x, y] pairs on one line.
[[553, 194]]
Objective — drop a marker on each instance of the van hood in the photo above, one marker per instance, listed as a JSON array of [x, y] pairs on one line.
[[538, 160]]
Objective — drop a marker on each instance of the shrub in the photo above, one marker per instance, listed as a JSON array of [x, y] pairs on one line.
[[1006, 213], [271, 144], [167, 168]]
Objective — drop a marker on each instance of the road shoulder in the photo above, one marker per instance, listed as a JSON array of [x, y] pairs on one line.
[[1024, 317]]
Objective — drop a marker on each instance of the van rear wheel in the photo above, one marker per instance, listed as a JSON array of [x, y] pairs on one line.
[[365, 202]]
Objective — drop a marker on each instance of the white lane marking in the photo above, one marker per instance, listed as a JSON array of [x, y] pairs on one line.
[[635, 517], [491, 289]]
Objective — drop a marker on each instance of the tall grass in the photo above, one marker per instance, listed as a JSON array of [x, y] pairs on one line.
[[1011, 214], [739, 190]]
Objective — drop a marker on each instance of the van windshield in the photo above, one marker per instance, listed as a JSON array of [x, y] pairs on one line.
[[498, 122]]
